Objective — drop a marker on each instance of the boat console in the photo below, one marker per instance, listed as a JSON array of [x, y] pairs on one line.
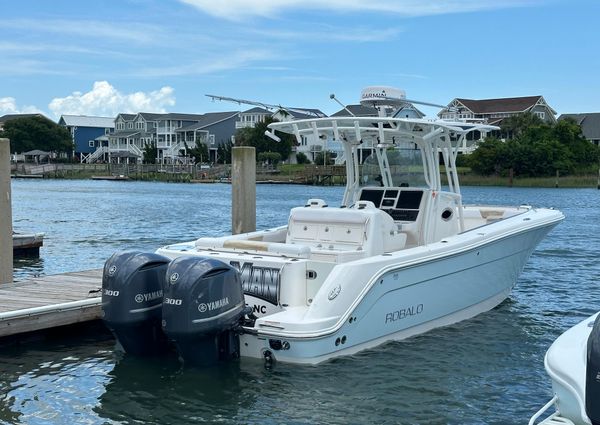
[[402, 204]]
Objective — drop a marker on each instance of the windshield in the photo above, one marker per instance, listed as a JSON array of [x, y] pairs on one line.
[[406, 169]]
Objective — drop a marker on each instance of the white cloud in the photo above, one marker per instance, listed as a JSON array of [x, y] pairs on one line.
[[121, 31], [239, 9], [106, 100], [8, 105], [323, 33], [209, 65]]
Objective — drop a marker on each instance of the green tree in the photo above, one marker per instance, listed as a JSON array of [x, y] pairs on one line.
[[515, 125], [150, 153], [256, 137], [29, 133], [301, 158], [487, 159], [224, 153], [583, 153], [327, 158], [199, 152], [537, 149], [271, 158]]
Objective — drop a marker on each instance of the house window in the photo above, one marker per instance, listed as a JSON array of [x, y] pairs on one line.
[[129, 125], [139, 125], [539, 114], [211, 139], [91, 143]]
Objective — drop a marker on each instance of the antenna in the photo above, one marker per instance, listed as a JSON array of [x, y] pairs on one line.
[[266, 106], [418, 102], [332, 96]]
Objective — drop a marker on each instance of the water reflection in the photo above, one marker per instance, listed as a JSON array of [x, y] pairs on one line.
[[160, 391], [27, 267]]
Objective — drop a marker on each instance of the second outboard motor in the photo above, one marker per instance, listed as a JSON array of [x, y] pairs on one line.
[[202, 310], [592, 374], [132, 296]]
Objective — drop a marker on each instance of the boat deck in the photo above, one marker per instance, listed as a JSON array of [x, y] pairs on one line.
[[50, 301]]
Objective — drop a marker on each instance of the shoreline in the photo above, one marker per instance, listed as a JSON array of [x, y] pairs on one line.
[[573, 182]]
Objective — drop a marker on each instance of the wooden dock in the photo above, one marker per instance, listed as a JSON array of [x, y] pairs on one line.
[[50, 301]]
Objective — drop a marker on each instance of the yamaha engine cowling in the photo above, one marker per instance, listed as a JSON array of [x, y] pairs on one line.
[[203, 309], [132, 295], [592, 374]]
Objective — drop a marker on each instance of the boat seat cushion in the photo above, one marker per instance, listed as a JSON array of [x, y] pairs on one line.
[[361, 228]]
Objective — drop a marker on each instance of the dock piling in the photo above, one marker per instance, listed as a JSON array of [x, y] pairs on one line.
[[243, 189], [6, 244]]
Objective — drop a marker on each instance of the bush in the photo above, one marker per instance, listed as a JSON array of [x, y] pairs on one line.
[[537, 151], [328, 158], [301, 158], [271, 158]]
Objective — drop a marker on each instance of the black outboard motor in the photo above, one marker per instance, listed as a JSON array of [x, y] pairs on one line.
[[132, 296], [203, 309], [592, 374]]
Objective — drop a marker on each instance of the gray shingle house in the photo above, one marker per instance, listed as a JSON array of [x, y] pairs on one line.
[[171, 133], [493, 111], [589, 123]]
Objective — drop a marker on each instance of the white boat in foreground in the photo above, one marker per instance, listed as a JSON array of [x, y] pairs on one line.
[[397, 256], [573, 364]]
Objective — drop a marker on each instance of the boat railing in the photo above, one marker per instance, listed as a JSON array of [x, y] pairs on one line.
[[553, 419]]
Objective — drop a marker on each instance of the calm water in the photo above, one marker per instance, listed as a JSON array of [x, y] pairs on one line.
[[488, 370]]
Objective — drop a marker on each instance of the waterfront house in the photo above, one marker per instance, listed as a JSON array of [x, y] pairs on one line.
[[493, 111], [251, 117], [171, 133], [214, 129], [86, 132], [589, 123]]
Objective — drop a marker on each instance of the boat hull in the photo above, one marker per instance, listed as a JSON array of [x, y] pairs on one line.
[[407, 300]]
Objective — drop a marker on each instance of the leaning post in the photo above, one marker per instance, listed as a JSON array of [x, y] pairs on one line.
[[6, 244], [243, 189]]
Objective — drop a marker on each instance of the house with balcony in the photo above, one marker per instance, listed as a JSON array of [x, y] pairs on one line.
[[87, 132], [214, 129], [171, 133], [251, 117], [589, 123], [493, 111]]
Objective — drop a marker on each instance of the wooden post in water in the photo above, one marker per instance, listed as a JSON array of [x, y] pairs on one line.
[[243, 189], [6, 244], [556, 181]]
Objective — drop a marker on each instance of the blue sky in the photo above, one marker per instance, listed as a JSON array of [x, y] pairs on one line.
[[110, 56]]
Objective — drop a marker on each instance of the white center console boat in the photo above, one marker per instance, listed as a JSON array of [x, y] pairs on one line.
[[399, 255], [573, 364]]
